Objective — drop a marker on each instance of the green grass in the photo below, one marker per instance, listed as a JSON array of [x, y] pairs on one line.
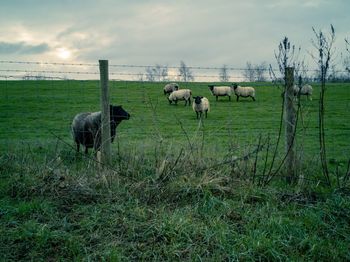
[[167, 195], [33, 108], [36, 113]]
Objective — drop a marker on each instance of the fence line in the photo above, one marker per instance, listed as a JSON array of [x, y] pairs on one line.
[[147, 66], [130, 72], [97, 73], [121, 65], [35, 76], [87, 73]]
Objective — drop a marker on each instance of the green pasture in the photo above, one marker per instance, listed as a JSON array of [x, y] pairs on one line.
[[39, 112], [174, 190]]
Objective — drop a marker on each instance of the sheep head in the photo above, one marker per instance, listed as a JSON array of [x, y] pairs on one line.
[[117, 114], [197, 99], [211, 88]]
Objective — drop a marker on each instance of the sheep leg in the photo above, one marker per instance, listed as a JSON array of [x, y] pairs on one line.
[[253, 98], [229, 98], [217, 98], [206, 113], [197, 114], [86, 150]]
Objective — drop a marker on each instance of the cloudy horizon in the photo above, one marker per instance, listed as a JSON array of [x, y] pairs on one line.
[[200, 33]]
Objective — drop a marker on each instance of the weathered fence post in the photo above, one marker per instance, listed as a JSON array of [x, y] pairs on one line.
[[289, 120], [105, 114]]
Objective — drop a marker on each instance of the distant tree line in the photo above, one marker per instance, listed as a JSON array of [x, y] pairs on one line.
[[159, 73], [251, 72], [255, 73]]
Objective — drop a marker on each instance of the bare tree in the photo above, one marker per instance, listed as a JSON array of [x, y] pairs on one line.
[[324, 45], [161, 72], [223, 74], [346, 61], [140, 76], [255, 72], [249, 72], [150, 74], [347, 42], [303, 72], [287, 56], [164, 73], [157, 73], [185, 73], [260, 70], [333, 75]]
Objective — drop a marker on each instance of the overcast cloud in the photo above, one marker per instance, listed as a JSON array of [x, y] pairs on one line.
[[22, 48], [201, 33]]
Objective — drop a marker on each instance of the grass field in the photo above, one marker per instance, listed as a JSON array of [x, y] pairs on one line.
[[173, 191], [32, 110]]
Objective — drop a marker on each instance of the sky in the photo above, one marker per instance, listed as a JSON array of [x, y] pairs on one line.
[[200, 33]]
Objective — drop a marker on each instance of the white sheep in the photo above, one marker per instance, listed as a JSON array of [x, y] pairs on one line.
[[182, 94], [201, 105], [244, 91], [305, 90], [169, 88], [221, 91]]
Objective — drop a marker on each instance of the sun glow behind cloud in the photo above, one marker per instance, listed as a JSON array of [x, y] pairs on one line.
[[63, 53]]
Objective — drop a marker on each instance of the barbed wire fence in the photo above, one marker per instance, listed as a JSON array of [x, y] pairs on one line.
[[38, 70], [121, 77]]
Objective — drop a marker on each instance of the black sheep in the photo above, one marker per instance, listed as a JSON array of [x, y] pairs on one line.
[[86, 127]]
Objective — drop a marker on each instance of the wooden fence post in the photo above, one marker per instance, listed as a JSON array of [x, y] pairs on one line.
[[105, 114], [289, 120]]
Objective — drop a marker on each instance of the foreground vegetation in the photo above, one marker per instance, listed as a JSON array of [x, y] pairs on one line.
[[177, 189], [60, 208]]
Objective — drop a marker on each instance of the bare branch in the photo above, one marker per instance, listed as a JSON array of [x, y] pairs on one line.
[[249, 72], [346, 61], [324, 45], [185, 72], [223, 74]]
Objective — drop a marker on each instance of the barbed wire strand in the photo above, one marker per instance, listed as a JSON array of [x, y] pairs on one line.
[[97, 73], [146, 66]]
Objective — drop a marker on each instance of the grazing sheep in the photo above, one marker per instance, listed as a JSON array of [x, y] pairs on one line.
[[86, 127], [220, 91], [244, 91], [200, 105], [169, 88], [305, 90], [182, 94]]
